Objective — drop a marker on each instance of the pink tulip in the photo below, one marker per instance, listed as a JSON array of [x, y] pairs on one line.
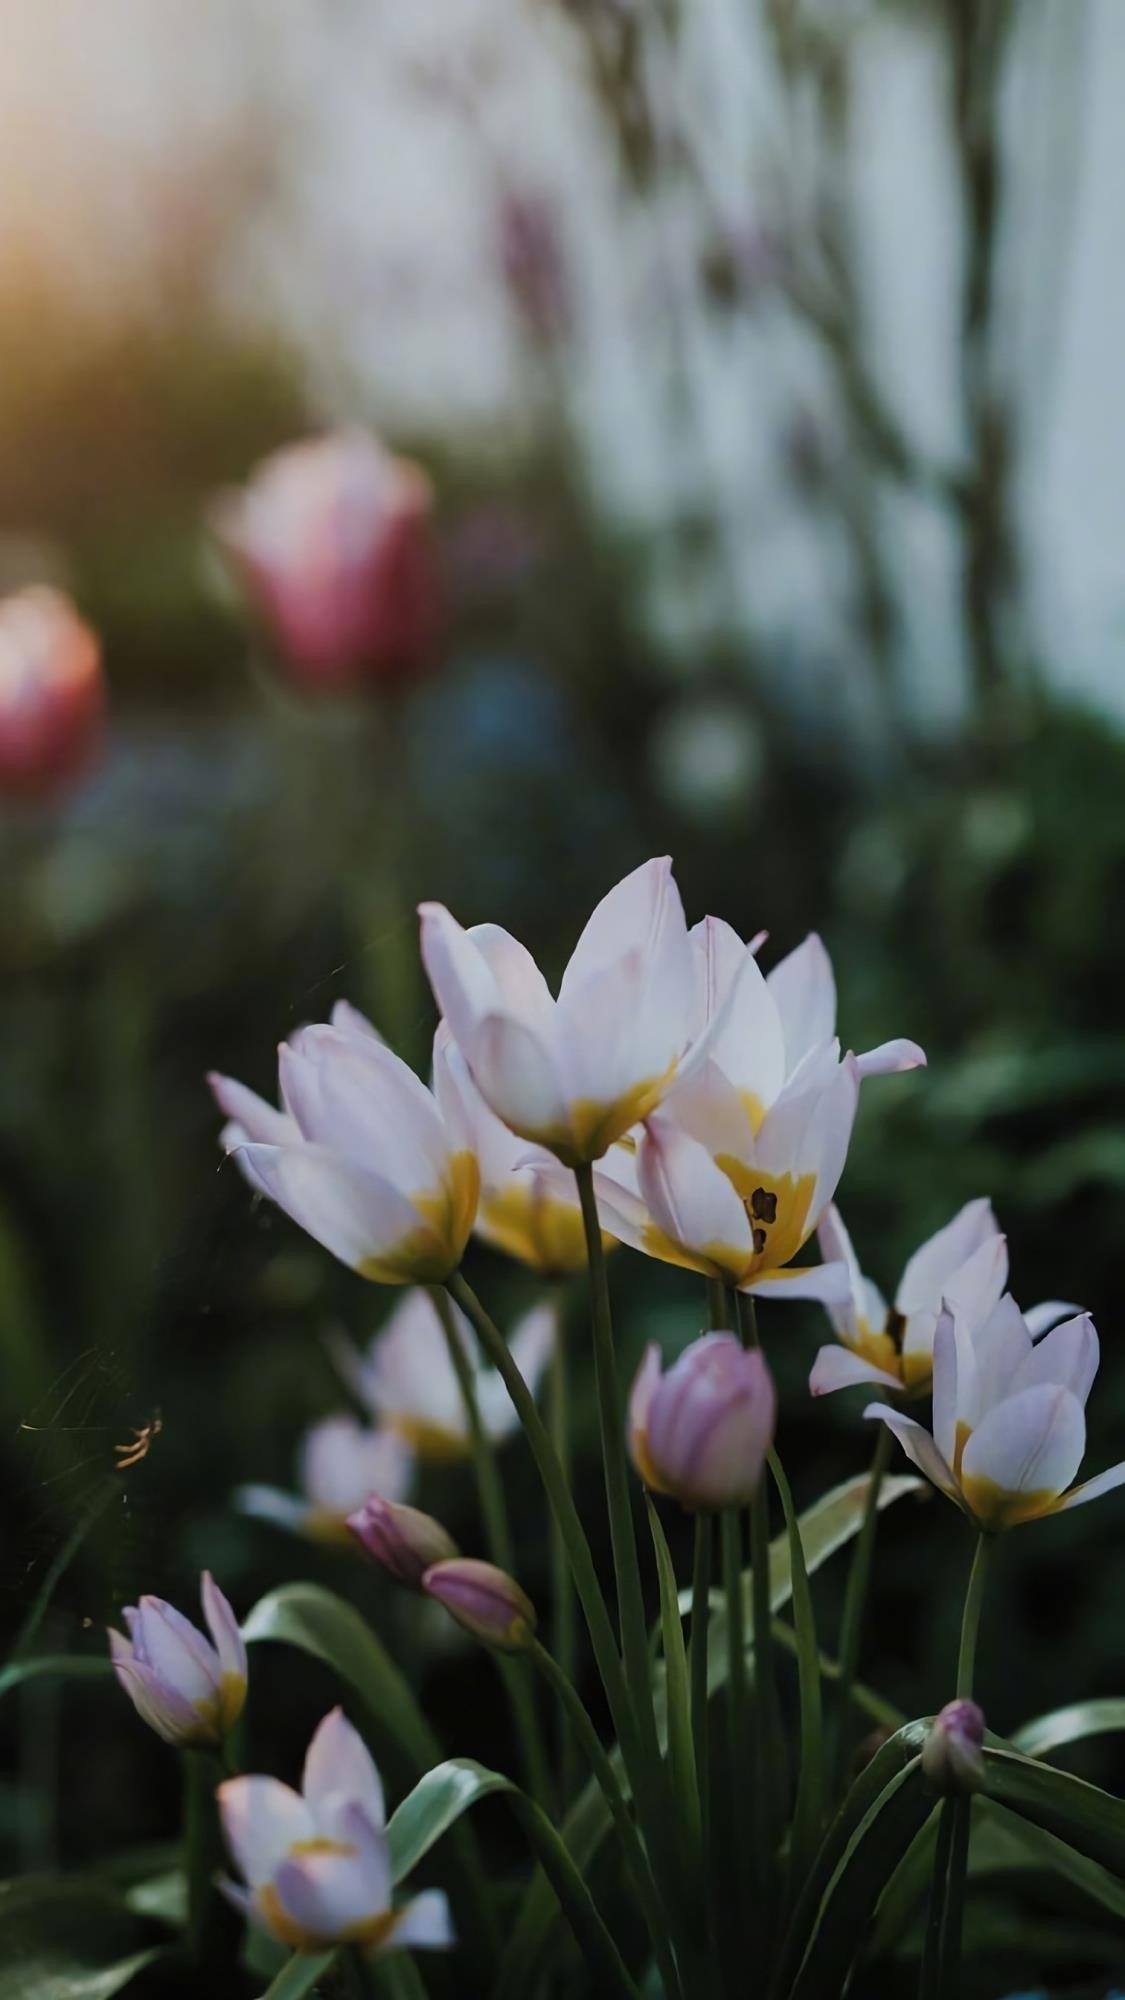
[[701, 1432], [52, 692], [484, 1600], [403, 1541], [332, 543]]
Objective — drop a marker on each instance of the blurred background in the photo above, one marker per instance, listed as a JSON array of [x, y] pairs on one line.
[[763, 358]]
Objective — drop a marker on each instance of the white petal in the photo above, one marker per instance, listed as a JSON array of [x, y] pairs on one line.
[[646, 1381], [408, 1372], [249, 1113], [1067, 1356], [425, 1924], [357, 1098], [518, 1075], [718, 954], [262, 1819], [809, 1133], [1038, 1319], [918, 1446], [952, 1383], [523, 991], [328, 1895], [708, 1105], [462, 981], [836, 1246], [827, 1283], [923, 1280], [1000, 1346], [804, 990], [837, 1367], [356, 1215], [339, 1770], [633, 915], [746, 1039], [342, 1461], [269, 1503], [532, 1341], [1092, 1489], [689, 1197], [178, 1654], [350, 1021], [1032, 1443], [890, 1058], [223, 1627]]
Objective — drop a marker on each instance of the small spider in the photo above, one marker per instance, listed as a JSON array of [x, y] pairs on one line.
[[132, 1453]]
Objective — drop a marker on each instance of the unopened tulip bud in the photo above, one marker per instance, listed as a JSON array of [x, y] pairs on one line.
[[52, 692], [951, 1754], [332, 543], [188, 1689], [488, 1603], [403, 1541], [701, 1432]]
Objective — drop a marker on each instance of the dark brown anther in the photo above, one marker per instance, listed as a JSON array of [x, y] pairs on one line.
[[763, 1206], [759, 1240]]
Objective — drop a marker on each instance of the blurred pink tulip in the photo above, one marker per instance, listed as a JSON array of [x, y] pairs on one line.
[[52, 692], [484, 1600], [701, 1432], [332, 543]]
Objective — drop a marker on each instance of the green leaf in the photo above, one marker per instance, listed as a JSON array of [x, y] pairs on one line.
[[1069, 1725], [841, 1921], [1085, 1817], [437, 1801], [318, 1622], [681, 1749], [861, 1696], [69, 1940], [828, 1525], [299, 1975], [57, 1666], [809, 1804]]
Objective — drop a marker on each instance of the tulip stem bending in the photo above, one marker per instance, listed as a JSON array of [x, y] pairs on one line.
[[498, 1535], [855, 1602]]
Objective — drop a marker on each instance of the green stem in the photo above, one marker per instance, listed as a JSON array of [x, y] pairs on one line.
[[767, 1724], [700, 1623], [609, 1973], [718, 1306], [855, 1604], [630, 1599], [563, 1633], [970, 1619], [730, 1535], [203, 1854], [601, 1766], [929, 1977], [498, 1535]]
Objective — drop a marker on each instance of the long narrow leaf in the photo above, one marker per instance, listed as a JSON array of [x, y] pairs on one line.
[[809, 1804], [681, 1748], [860, 1695], [1069, 1725], [842, 1919], [436, 1803], [55, 1666], [1087, 1818], [299, 1975]]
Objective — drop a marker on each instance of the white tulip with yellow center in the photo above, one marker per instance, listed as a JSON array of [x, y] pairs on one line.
[[965, 1263], [360, 1155], [340, 1462], [1009, 1423], [572, 1074], [316, 1862], [407, 1380], [528, 1207]]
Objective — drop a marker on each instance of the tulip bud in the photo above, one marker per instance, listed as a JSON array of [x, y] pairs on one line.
[[701, 1432], [951, 1754], [331, 541], [187, 1689], [485, 1601], [403, 1540], [52, 691]]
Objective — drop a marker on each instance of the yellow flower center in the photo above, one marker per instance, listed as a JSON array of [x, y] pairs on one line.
[[430, 1253]]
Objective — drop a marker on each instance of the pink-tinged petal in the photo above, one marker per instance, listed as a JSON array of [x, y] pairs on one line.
[[523, 991], [826, 1283], [804, 991], [250, 1114], [924, 1279], [518, 1076], [1092, 1489], [157, 1702], [424, 1925], [645, 1384], [469, 1124], [532, 1343], [621, 1209], [954, 1384], [357, 1215], [224, 1629], [690, 1199], [262, 1819], [865, 1302], [1039, 1319], [999, 1346], [325, 1896], [1030, 1444], [809, 1133], [1068, 1356], [745, 1039], [837, 1367], [918, 1445], [632, 916], [339, 1771], [891, 1059], [357, 1098], [708, 1105], [350, 1021], [462, 982], [169, 1643], [718, 953], [976, 1286]]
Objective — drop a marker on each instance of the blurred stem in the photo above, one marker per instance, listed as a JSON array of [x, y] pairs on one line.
[[562, 1589], [203, 1853], [767, 1723], [745, 1838], [855, 1603], [970, 1618], [941, 1964], [630, 1599], [718, 1305], [358, 1982], [601, 1766], [498, 1536], [700, 1624]]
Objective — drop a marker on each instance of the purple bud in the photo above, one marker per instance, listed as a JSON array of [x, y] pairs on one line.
[[701, 1432], [484, 1600], [951, 1754], [403, 1540]]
